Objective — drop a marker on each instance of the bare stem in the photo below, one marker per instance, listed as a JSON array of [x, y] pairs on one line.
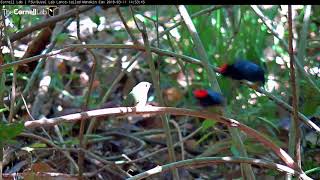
[[294, 133], [267, 22], [164, 118], [82, 139]]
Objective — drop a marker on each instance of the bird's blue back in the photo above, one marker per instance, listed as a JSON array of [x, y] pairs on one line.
[[213, 99], [249, 70]]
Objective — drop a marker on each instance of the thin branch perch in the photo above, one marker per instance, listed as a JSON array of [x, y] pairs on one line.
[[188, 59]]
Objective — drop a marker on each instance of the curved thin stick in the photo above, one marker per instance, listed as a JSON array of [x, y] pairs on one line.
[[120, 111], [215, 160]]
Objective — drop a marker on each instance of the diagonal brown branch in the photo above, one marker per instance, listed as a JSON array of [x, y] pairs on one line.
[[120, 111]]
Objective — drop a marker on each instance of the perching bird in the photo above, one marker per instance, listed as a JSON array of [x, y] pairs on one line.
[[207, 97], [138, 96], [243, 70]]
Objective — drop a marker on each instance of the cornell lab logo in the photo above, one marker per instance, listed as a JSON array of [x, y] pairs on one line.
[[51, 10]]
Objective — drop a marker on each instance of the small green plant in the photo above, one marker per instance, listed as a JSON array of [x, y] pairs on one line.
[[10, 131]]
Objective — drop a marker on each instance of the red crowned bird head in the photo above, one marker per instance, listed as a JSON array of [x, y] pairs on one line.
[[223, 68], [200, 93], [207, 97]]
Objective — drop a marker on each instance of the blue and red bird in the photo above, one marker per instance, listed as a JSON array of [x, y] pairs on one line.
[[207, 98], [243, 70]]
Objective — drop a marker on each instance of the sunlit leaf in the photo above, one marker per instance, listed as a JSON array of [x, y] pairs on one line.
[[208, 123]]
